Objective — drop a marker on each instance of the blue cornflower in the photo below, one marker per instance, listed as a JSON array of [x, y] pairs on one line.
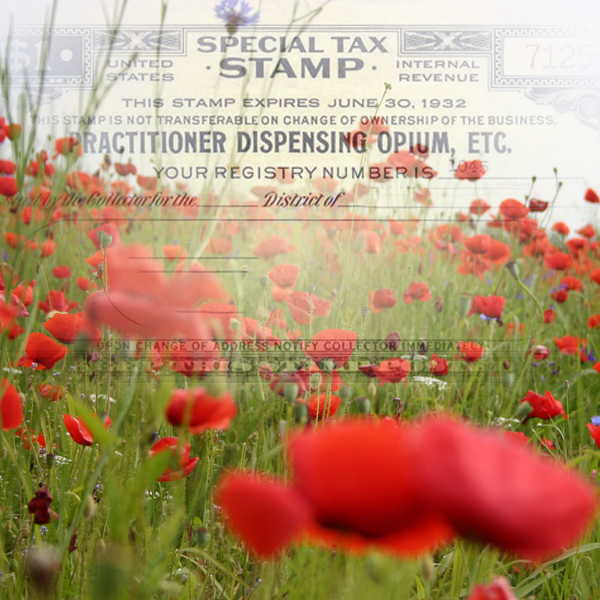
[[595, 421], [589, 354], [235, 16]]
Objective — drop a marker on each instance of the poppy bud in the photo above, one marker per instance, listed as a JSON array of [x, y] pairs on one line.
[[50, 459], [567, 384], [300, 413], [245, 271], [464, 305], [506, 365], [439, 304], [263, 280], [513, 269], [290, 391], [107, 160], [315, 381], [345, 392], [400, 406], [327, 365], [310, 288], [508, 380], [104, 238], [42, 567], [363, 405], [202, 536], [364, 311], [234, 324], [89, 508], [524, 409], [372, 389], [427, 568]]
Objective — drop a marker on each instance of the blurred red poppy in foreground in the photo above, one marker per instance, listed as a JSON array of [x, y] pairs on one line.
[[407, 490], [591, 196], [181, 465], [488, 306], [198, 410], [41, 352]]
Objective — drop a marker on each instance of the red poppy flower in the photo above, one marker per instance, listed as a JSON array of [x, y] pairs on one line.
[[577, 245], [499, 589], [124, 169], [595, 276], [300, 304], [536, 205], [181, 464], [513, 209], [479, 207], [8, 186], [67, 145], [47, 248], [272, 246], [392, 370], [56, 300], [380, 299], [594, 430], [560, 296], [417, 290], [321, 406], [471, 170], [471, 352], [198, 410], [284, 275], [500, 492], [84, 283], [7, 167], [591, 196], [11, 408], [497, 253], [541, 353], [588, 231], [569, 344], [593, 322], [52, 392], [544, 407], [41, 352], [478, 244], [28, 436], [489, 306], [334, 344], [571, 283], [78, 431], [558, 261], [561, 228], [439, 366], [549, 316], [66, 328], [147, 183]]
